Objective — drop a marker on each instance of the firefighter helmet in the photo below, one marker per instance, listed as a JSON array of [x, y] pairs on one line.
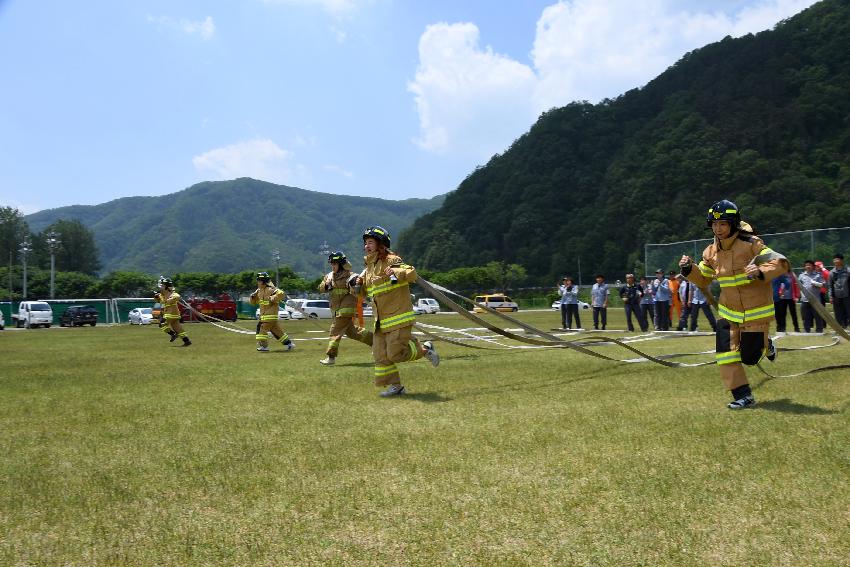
[[337, 256], [263, 277], [378, 233], [724, 210], [166, 282]]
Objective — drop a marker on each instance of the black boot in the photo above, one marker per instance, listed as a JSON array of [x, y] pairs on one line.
[[173, 336], [186, 341]]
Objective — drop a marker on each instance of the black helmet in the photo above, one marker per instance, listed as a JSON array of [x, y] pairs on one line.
[[337, 256], [263, 277], [378, 233], [724, 210], [166, 281]]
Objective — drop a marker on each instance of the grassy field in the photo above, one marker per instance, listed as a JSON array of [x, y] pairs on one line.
[[119, 448]]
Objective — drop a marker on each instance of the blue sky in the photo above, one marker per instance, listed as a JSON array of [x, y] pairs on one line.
[[383, 98]]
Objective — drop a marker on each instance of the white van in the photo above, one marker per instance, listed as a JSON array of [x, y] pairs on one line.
[[32, 314], [427, 305], [496, 301]]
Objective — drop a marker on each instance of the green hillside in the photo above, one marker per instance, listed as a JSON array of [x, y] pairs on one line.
[[763, 120], [230, 226]]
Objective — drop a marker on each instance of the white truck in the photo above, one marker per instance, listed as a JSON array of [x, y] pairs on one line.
[[31, 314], [427, 305]]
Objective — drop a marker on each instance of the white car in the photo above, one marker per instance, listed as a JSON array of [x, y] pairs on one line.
[[316, 308], [282, 313], [2, 321], [140, 316], [581, 304]]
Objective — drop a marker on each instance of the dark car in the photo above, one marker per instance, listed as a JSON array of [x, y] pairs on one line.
[[78, 315]]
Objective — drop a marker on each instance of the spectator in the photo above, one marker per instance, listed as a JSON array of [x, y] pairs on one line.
[[839, 291], [825, 273], [647, 302], [675, 300], [686, 295], [632, 295], [811, 280], [661, 293], [795, 295], [700, 302], [599, 301], [569, 303], [782, 297]]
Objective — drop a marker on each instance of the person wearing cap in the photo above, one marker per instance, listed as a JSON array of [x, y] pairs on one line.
[[744, 266], [675, 299], [662, 295], [343, 307], [170, 301], [268, 297], [631, 294], [387, 280]]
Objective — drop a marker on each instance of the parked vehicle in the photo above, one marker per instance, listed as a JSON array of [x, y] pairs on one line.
[[2, 321], [222, 307], [498, 302], [312, 308], [282, 313], [581, 304], [140, 316], [32, 314], [426, 305], [78, 315]]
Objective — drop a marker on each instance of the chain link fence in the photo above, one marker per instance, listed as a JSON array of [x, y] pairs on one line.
[[798, 246]]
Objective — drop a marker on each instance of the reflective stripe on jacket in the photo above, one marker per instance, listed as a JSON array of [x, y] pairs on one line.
[[268, 298], [343, 302], [745, 301], [391, 302]]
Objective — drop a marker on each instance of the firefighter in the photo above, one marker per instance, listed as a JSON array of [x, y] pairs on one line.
[[387, 279], [343, 307], [170, 301], [268, 297], [744, 267]]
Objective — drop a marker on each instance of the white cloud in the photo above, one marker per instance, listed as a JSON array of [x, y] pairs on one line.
[[205, 28], [259, 158], [338, 170], [470, 99], [336, 8]]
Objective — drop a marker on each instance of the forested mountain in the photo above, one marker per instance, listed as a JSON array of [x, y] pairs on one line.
[[762, 120], [229, 226]]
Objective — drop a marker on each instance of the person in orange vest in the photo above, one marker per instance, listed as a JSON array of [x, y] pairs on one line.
[[343, 307], [387, 280], [744, 266], [675, 300], [170, 301], [268, 297]]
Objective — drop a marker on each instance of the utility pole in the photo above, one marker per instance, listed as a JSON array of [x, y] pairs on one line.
[[276, 258], [52, 245], [26, 248]]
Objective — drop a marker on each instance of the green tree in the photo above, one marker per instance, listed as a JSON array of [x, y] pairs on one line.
[[77, 251], [13, 228], [126, 284]]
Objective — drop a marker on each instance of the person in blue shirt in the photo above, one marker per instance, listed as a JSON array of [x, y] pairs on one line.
[[782, 297], [700, 302], [569, 303], [599, 301], [661, 292], [647, 302]]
